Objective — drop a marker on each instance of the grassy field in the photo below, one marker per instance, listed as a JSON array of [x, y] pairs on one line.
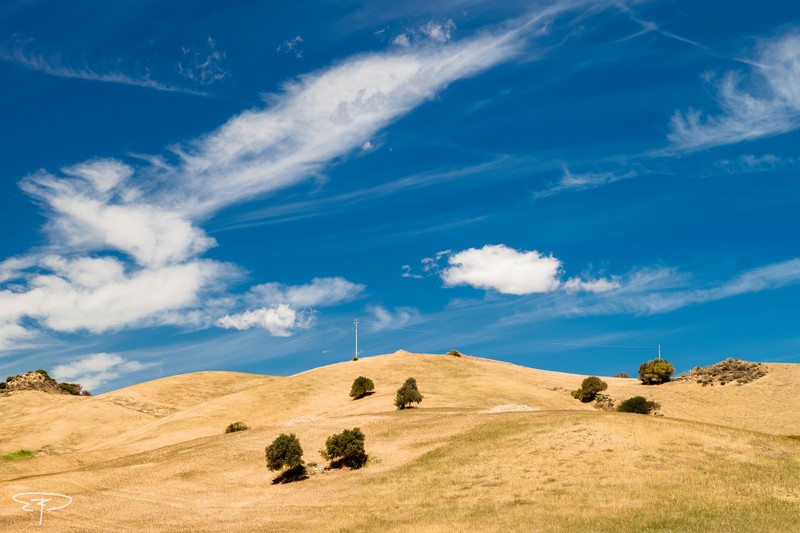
[[154, 457]]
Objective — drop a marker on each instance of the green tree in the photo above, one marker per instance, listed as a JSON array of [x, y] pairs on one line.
[[361, 387], [655, 372], [346, 449], [407, 394], [589, 389], [284, 451], [637, 404]]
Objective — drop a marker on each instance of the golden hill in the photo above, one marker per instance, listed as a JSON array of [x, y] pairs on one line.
[[153, 457]]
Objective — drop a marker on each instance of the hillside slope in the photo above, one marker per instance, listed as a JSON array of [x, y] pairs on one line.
[[451, 464]]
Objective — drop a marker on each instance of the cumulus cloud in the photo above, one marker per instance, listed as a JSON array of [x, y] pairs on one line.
[[280, 320], [93, 370], [762, 102], [506, 270]]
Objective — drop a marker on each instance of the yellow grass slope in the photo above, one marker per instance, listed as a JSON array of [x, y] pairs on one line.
[[452, 464]]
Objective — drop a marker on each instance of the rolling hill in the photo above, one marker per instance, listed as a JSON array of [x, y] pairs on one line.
[[493, 446]]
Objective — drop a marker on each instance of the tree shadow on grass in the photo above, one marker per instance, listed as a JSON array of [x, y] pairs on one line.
[[298, 473], [355, 462]]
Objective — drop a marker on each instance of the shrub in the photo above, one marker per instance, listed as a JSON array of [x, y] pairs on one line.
[[361, 387], [284, 451], [71, 388], [346, 449], [407, 394], [655, 371], [621, 375], [727, 371], [45, 374], [589, 389], [19, 454], [455, 353], [236, 426], [355, 358], [2, 385], [639, 405]]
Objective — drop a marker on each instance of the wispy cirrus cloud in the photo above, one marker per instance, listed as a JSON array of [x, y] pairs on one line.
[[760, 103], [582, 182], [203, 65], [59, 66]]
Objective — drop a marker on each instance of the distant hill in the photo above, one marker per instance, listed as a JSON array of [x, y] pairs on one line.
[[40, 380], [492, 447]]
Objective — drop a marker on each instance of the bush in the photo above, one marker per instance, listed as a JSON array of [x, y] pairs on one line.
[[70, 388], [589, 389], [455, 353], [621, 375], [236, 426], [361, 387], [655, 371], [346, 449], [407, 394], [639, 405], [284, 451]]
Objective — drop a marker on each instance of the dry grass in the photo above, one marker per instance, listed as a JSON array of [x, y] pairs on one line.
[[714, 462]]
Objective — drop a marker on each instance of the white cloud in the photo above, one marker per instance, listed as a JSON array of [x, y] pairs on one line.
[[397, 317], [595, 285], [93, 370], [762, 104], [504, 269], [408, 272], [280, 320], [321, 292], [98, 295], [203, 66], [322, 116], [439, 32], [581, 182], [54, 66], [292, 46]]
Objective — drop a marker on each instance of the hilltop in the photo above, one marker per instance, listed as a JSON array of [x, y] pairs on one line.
[[493, 446]]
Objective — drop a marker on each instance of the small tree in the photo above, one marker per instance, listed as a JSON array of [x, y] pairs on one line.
[[639, 405], [361, 387], [284, 451], [589, 389], [655, 372], [407, 394], [346, 449], [621, 375], [455, 353]]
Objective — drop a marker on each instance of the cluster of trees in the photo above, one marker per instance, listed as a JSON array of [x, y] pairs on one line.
[[653, 372], [341, 449], [407, 394]]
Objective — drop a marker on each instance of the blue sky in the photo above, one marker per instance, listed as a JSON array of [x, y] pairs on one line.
[[562, 185]]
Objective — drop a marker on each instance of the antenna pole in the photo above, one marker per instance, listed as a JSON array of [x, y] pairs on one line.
[[659, 351], [356, 323]]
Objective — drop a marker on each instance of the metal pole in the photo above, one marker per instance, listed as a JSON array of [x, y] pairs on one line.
[[356, 323]]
